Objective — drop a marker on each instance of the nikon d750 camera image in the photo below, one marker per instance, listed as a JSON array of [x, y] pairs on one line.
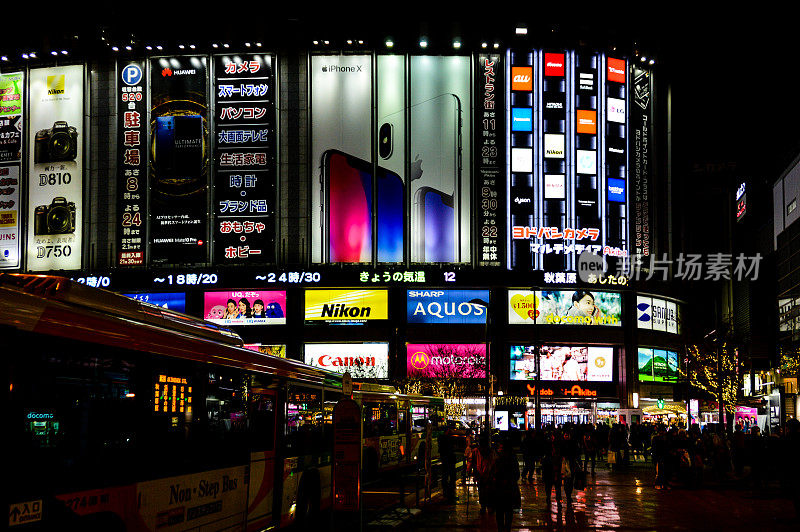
[[59, 143], [58, 218]]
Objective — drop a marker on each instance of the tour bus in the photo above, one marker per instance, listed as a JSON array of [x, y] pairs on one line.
[[394, 427], [127, 416]]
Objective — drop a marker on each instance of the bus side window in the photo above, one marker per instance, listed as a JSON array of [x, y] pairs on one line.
[[304, 421]]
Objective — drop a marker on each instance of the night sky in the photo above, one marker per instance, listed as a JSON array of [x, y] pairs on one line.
[[734, 74]]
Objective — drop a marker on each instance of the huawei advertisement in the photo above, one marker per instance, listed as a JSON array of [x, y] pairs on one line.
[[179, 161], [421, 175], [563, 363], [466, 361]]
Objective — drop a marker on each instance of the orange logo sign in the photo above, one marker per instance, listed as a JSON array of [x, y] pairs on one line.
[[587, 122], [521, 78]]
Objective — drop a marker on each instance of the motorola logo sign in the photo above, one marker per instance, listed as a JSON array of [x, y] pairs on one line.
[[590, 265]]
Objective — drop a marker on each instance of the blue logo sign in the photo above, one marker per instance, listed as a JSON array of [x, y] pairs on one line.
[[643, 312], [132, 75], [521, 119], [616, 189], [447, 306], [167, 300]]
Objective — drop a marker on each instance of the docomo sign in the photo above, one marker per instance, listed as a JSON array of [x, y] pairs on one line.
[[446, 360], [554, 64], [366, 360]]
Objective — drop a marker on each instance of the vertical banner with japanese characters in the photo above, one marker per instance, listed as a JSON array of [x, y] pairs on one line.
[[245, 159], [131, 164], [179, 162], [641, 124], [11, 91], [55, 168], [490, 159]]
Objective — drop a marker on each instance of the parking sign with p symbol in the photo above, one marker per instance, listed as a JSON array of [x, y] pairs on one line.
[[132, 75]]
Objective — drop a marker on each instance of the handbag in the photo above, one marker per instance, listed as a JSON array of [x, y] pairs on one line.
[[612, 457], [566, 470]]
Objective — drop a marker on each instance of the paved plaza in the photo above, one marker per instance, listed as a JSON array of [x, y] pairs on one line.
[[616, 500]]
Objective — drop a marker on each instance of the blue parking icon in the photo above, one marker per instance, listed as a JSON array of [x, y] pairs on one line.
[[132, 75]]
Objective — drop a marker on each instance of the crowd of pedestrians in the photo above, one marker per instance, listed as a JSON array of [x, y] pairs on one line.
[[562, 457]]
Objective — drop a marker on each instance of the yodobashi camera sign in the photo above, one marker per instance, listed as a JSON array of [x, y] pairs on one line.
[[55, 178], [447, 306]]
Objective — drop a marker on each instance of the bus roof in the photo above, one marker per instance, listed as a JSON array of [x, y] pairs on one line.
[[59, 307]]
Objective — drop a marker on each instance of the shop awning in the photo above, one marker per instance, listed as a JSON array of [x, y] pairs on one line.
[[669, 408]]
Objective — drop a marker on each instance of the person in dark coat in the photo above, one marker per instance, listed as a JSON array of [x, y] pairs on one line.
[[569, 463], [447, 456], [505, 484], [551, 468], [485, 463], [528, 455]]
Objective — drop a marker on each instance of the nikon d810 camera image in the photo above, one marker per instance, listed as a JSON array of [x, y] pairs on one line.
[[59, 143], [58, 218]]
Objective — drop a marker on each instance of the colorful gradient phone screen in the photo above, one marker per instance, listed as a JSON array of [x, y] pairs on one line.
[[390, 217], [439, 243], [350, 206]]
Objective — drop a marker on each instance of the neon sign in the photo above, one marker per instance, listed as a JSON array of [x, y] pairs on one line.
[[574, 391]]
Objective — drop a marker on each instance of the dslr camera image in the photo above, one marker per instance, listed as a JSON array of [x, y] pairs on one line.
[[58, 218], [59, 143]]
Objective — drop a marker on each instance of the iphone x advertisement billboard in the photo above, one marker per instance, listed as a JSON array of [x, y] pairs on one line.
[[179, 161], [418, 183]]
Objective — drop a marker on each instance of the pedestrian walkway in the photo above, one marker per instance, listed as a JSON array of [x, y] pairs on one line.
[[621, 500]]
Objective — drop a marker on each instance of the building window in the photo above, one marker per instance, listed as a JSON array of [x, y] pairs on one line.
[[792, 206]]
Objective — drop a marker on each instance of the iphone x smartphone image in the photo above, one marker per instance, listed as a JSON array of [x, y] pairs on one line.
[[347, 189], [435, 179]]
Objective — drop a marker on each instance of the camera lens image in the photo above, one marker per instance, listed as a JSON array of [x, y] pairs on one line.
[[59, 220], [60, 144]]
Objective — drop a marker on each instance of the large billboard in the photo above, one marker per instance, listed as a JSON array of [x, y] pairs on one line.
[[420, 176], [447, 306], [657, 314], [11, 111], [245, 159], [132, 164], [563, 363], [567, 178], [245, 307], [363, 360], [179, 161], [658, 365], [169, 300], [55, 168], [441, 361], [559, 307], [346, 306]]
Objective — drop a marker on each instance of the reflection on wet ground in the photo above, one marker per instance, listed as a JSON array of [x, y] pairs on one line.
[[623, 500]]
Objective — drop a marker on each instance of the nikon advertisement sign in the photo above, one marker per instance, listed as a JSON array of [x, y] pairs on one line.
[[11, 87], [346, 306], [55, 168]]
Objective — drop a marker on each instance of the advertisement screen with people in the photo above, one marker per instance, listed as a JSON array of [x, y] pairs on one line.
[[563, 363], [245, 307]]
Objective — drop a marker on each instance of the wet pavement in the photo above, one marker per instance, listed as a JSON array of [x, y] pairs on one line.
[[620, 500]]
